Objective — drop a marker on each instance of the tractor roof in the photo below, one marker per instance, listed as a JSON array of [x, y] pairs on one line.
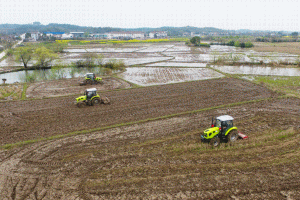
[[89, 74], [91, 90], [225, 118]]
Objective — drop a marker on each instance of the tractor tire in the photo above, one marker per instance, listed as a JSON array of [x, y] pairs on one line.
[[96, 101], [232, 136], [89, 82], [105, 100], [80, 104], [215, 142]]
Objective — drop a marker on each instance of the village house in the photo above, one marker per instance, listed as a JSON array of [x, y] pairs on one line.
[[158, 34], [126, 35]]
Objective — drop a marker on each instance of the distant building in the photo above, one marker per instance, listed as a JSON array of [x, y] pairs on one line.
[[67, 36], [77, 34], [54, 34], [126, 35], [158, 34], [35, 36], [98, 35]]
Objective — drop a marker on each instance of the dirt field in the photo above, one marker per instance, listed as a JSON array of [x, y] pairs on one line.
[[283, 47], [165, 159], [71, 86], [26, 120]]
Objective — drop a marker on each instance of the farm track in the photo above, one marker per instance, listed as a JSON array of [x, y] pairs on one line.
[[164, 159], [25, 120]]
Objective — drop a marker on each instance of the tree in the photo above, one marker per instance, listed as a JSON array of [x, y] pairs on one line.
[[294, 34], [196, 40], [248, 44], [230, 43], [44, 56], [24, 55], [237, 44], [28, 35]]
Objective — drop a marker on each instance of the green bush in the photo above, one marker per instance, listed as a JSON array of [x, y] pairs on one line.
[[204, 45], [248, 45], [230, 43]]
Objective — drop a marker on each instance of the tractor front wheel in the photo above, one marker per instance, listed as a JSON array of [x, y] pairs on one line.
[[96, 101], [215, 142], [232, 136], [80, 104]]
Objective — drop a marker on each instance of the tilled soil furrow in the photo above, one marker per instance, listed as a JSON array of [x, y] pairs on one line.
[[47, 117]]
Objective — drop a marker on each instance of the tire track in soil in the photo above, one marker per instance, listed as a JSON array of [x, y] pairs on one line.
[[48, 117]]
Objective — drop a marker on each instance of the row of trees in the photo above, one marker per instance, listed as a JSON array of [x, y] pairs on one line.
[[42, 55], [45, 53]]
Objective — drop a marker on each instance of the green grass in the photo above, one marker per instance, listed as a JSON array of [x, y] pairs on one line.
[[287, 85], [23, 97]]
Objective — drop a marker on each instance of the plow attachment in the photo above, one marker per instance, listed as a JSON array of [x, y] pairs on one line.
[[242, 136]]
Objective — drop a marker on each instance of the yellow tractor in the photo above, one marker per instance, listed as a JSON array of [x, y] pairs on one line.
[[91, 79], [91, 98]]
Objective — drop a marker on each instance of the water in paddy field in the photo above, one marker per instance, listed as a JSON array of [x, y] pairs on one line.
[[265, 71], [48, 74]]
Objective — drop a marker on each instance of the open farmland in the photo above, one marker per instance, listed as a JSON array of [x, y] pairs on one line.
[[146, 144], [165, 159], [48, 117]]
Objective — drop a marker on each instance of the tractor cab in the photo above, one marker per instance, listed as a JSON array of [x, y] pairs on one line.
[[90, 76], [89, 93], [224, 123]]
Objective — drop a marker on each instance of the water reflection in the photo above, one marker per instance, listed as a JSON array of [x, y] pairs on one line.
[[266, 71], [49, 74]]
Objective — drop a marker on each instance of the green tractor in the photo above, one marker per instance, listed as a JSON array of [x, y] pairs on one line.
[[91, 98], [222, 129], [91, 79]]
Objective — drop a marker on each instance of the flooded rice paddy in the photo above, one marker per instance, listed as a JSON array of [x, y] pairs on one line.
[[168, 55], [258, 70], [146, 76]]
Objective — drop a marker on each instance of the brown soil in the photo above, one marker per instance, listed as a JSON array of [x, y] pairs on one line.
[[165, 159], [71, 86], [25, 120], [283, 47]]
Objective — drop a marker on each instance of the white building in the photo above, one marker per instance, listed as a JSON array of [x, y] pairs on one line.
[[158, 34], [77, 34], [67, 36], [126, 35], [35, 36]]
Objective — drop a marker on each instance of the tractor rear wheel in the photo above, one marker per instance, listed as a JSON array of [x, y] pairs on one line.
[[96, 101], [80, 104], [232, 136], [215, 142]]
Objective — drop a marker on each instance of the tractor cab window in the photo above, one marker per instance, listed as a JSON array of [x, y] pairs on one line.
[[90, 76], [218, 123], [230, 123], [90, 94]]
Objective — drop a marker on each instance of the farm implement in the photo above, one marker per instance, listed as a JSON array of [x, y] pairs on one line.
[[91, 98], [91, 79], [222, 129]]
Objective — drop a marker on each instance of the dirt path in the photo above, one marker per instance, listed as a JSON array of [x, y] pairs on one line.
[[164, 159], [24, 120]]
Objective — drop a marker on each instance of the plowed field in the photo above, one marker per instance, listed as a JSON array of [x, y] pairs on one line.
[[24, 120], [164, 159]]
